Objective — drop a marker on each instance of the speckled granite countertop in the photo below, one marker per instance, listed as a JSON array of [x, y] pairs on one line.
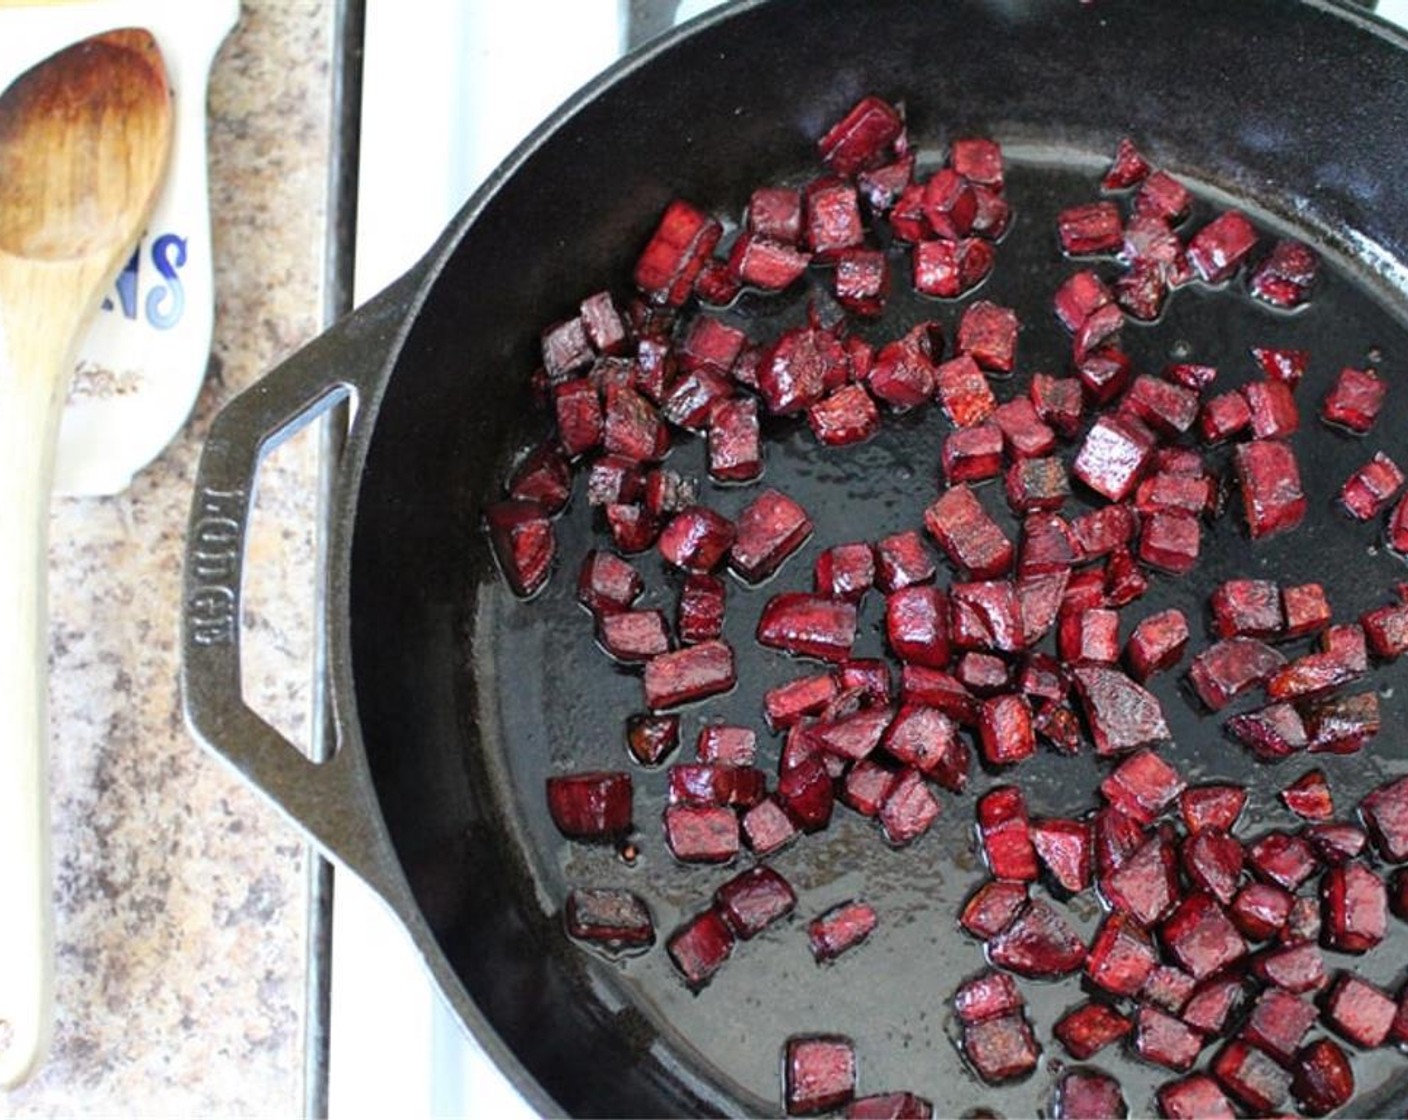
[[181, 898]]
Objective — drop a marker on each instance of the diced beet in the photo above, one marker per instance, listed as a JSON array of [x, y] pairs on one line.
[[632, 527], [993, 212], [770, 529], [1117, 836], [1115, 452], [983, 674], [1218, 249], [1356, 908], [700, 617], [1302, 923], [1272, 407], [1306, 609], [752, 900], [735, 445], [902, 560], [1224, 416], [866, 786], [972, 454], [819, 1073], [1386, 630], [903, 374], [1145, 885], [631, 426], [881, 186], [977, 159], [613, 480], [1090, 1094], [862, 138], [1170, 541], [1354, 400], [890, 1106], [1211, 806], [923, 738], [1308, 797], [831, 219], [616, 919], [651, 739], [845, 571], [1166, 1041], [1251, 1076], [1162, 195], [992, 907], [988, 334], [1024, 433], [767, 827], [1149, 239], [841, 928], [1103, 530], [1271, 733], [1005, 836], [1001, 1049], [594, 805], [1122, 716], [936, 689], [1128, 168], [566, 349], [1143, 289], [806, 792], [697, 539], [685, 675], [523, 542], [1064, 848], [1250, 607], [683, 240], [1372, 488], [967, 534], [1322, 1079], [869, 675], [633, 635], [1105, 372], [1163, 492], [862, 280], [947, 269], [1079, 297], [1037, 485], [702, 833], [700, 947], [800, 368], [1005, 727], [725, 745], [762, 262], [1142, 785], [711, 784], [1122, 956], [987, 996], [1335, 842], [851, 736], [1259, 910], [1058, 401], [844, 417], [1282, 858], [1277, 1023], [1089, 1028], [1201, 937], [1281, 364], [1038, 943], [1093, 227], [1213, 862], [1099, 334], [1090, 636], [1157, 644], [784, 705], [775, 212], [1342, 724], [607, 583], [964, 392], [602, 324], [1297, 968], [949, 204], [1228, 668], [985, 615], [808, 625], [1168, 408], [1211, 1005], [1269, 476], [1284, 276], [1359, 1011], [543, 477], [1196, 1097], [1385, 814]]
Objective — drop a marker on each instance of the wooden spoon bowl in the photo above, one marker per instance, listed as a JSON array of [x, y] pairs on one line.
[[84, 141]]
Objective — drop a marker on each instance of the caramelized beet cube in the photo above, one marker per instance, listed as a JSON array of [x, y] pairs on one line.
[[1277, 1023], [1168, 988], [1037, 485], [700, 947], [1271, 733], [667, 491], [729, 746], [806, 792], [1157, 644], [819, 1073], [1308, 797], [566, 349], [1142, 785], [697, 539], [1260, 910], [1001, 1049], [1335, 843], [1385, 814], [1162, 196], [1079, 297], [964, 392], [523, 543], [1355, 400], [862, 138], [862, 281], [800, 368], [947, 269], [543, 477], [1048, 545], [1196, 1097], [972, 454], [1122, 956], [607, 583], [650, 739], [832, 218], [1103, 530], [923, 738], [633, 635], [614, 480], [1128, 168], [1356, 908], [1251, 1076], [1166, 1041], [1272, 406], [1218, 249], [1024, 433], [677, 250], [1122, 716], [752, 900], [1321, 1077], [700, 617], [1282, 858], [702, 833], [1211, 806], [843, 417], [1342, 724], [1115, 452], [595, 805], [1091, 636], [988, 334], [1201, 937], [986, 615], [632, 527], [767, 827], [1272, 498], [614, 918], [1087, 1093], [1089, 1028], [1211, 1004], [1058, 401], [1170, 541], [1093, 227], [1250, 607], [1372, 488], [1038, 943], [808, 625], [735, 443], [1003, 830], [1097, 336], [882, 186], [1359, 1011], [903, 374], [992, 907], [775, 212], [1228, 668], [845, 571], [1285, 275], [866, 786], [890, 1106], [967, 534], [1145, 885], [1064, 848], [685, 675], [977, 159], [1142, 290], [788, 703], [1223, 416], [762, 262], [1168, 408], [770, 529], [949, 204], [1306, 609], [909, 809], [1386, 630], [902, 560], [852, 736], [1174, 493], [841, 928], [1005, 727]]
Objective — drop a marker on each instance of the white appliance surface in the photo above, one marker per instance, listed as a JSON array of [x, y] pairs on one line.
[[449, 88]]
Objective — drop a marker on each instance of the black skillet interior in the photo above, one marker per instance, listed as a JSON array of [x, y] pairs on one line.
[[467, 699]]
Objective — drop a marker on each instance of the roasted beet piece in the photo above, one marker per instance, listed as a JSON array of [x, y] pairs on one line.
[[1223, 417], [949, 204], [650, 739], [694, 395], [1386, 630], [1128, 167], [775, 212], [903, 374], [1142, 290], [832, 219], [752, 900], [1271, 733], [1356, 908], [1162, 195], [1213, 861], [1122, 956], [947, 269], [767, 827], [1321, 1077], [1168, 408], [987, 996], [1334, 842], [1196, 1097], [1272, 406], [866, 786], [1024, 433], [1354, 400], [1157, 644], [1385, 814], [1259, 910], [1201, 937], [1103, 530], [1372, 488], [1282, 858], [843, 417], [967, 534], [784, 705], [890, 1106], [1079, 297], [770, 529], [923, 738], [735, 446], [702, 833], [1284, 276], [1164, 492], [806, 792], [595, 805], [614, 480], [1089, 1028], [616, 919], [1005, 728], [880, 187], [902, 560], [985, 615], [862, 281], [841, 928], [1089, 636], [762, 262], [1250, 607], [1122, 716], [1064, 848], [632, 527], [1166, 1041], [1269, 477], [1251, 1076], [1228, 668], [1090, 1094], [685, 675], [1001, 1049], [1359, 1011], [1218, 249], [677, 250], [800, 368], [725, 745], [1145, 885], [1277, 1023], [523, 542], [1170, 541], [845, 571], [1093, 227], [1342, 724], [1211, 1004], [710, 783], [631, 427], [851, 736], [566, 349], [1308, 797], [819, 1073], [1103, 373], [1211, 806], [700, 617], [1115, 452], [633, 635], [1058, 401], [988, 334], [1297, 968], [697, 539], [1306, 609], [1142, 785], [808, 626], [607, 583], [543, 476], [1037, 485], [964, 392], [862, 138], [1038, 943], [1168, 989], [700, 947], [972, 454], [992, 907], [1004, 834]]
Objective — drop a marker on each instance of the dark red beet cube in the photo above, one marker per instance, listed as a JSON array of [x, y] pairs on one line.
[[677, 250], [800, 368], [566, 349], [1372, 488], [1005, 727], [808, 625], [972, 454], [1170, 541], [523, 542], [1122, 956], [1142, 290], [775, 212], [752, 900], [890, 1106], [1335, 843], [1306, 609], [832, 217], [603, 325], [1164, 492], [1272, 406], [1250, 607], [1080, 296], [1386, 630], [1251, 1076], [1321, 1077], [988, 334], [633, 529], [1285, 275], [1115, 452], [1308, 797], [1355, 399], [882, 186], [1058, 401], [762, 262], [964, 392], [631, 426], [1218, 249], [700, 617], [1282, 858], [1296, 968], [611, 917], [1128, 168], [1196, 1097], [770, 529], [1213, 861], [903, 374], [1342, 724], [716, 285], [1097, 336], [725, 745], [1089, 1028], [1038, 943], [595, 805], [700, 947], [1005, 835], [1201, 937], [1001, 1049], [607, 583], [977, 159], [923, 738], [1024, 433], [1122, 716], [685, 675], [1091, 636], [902, 560], [1212, 1004], [986, 615], [697, 539], [1168, 408], [1277, 1023], [702, 833], [545, 477], [1093, 227], [1211, 806], [1087, 1093], [650, 739], [993, 212], [1142, 785], [1064, 848], [633, 635], [968, 534], [784, 705], [866, 786], [735, 443], [1228, 668], [1271, 733], [987, 996], [1260, 910], [1385, 814], [819, 1073], [1157, 644], [1356, 908], [992, 907], [1166, 1041], [1269, 476], [614, 480], [806, 792], [841, 928], [852, 736], [1037, 485], [1223, 416], [767, 827], [862, 280], [843, 417], [947, 269], [1103, 530], [1359, 1011], [1163, 196], [862, 138], [1146, 884], [949, 204], [691, 400]]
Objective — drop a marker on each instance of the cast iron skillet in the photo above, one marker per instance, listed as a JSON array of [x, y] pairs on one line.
[[453, 701]]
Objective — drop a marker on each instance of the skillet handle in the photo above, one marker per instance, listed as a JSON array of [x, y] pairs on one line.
[[332, 800]]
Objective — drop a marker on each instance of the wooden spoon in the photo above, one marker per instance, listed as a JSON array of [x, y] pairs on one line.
[[84, 141]]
